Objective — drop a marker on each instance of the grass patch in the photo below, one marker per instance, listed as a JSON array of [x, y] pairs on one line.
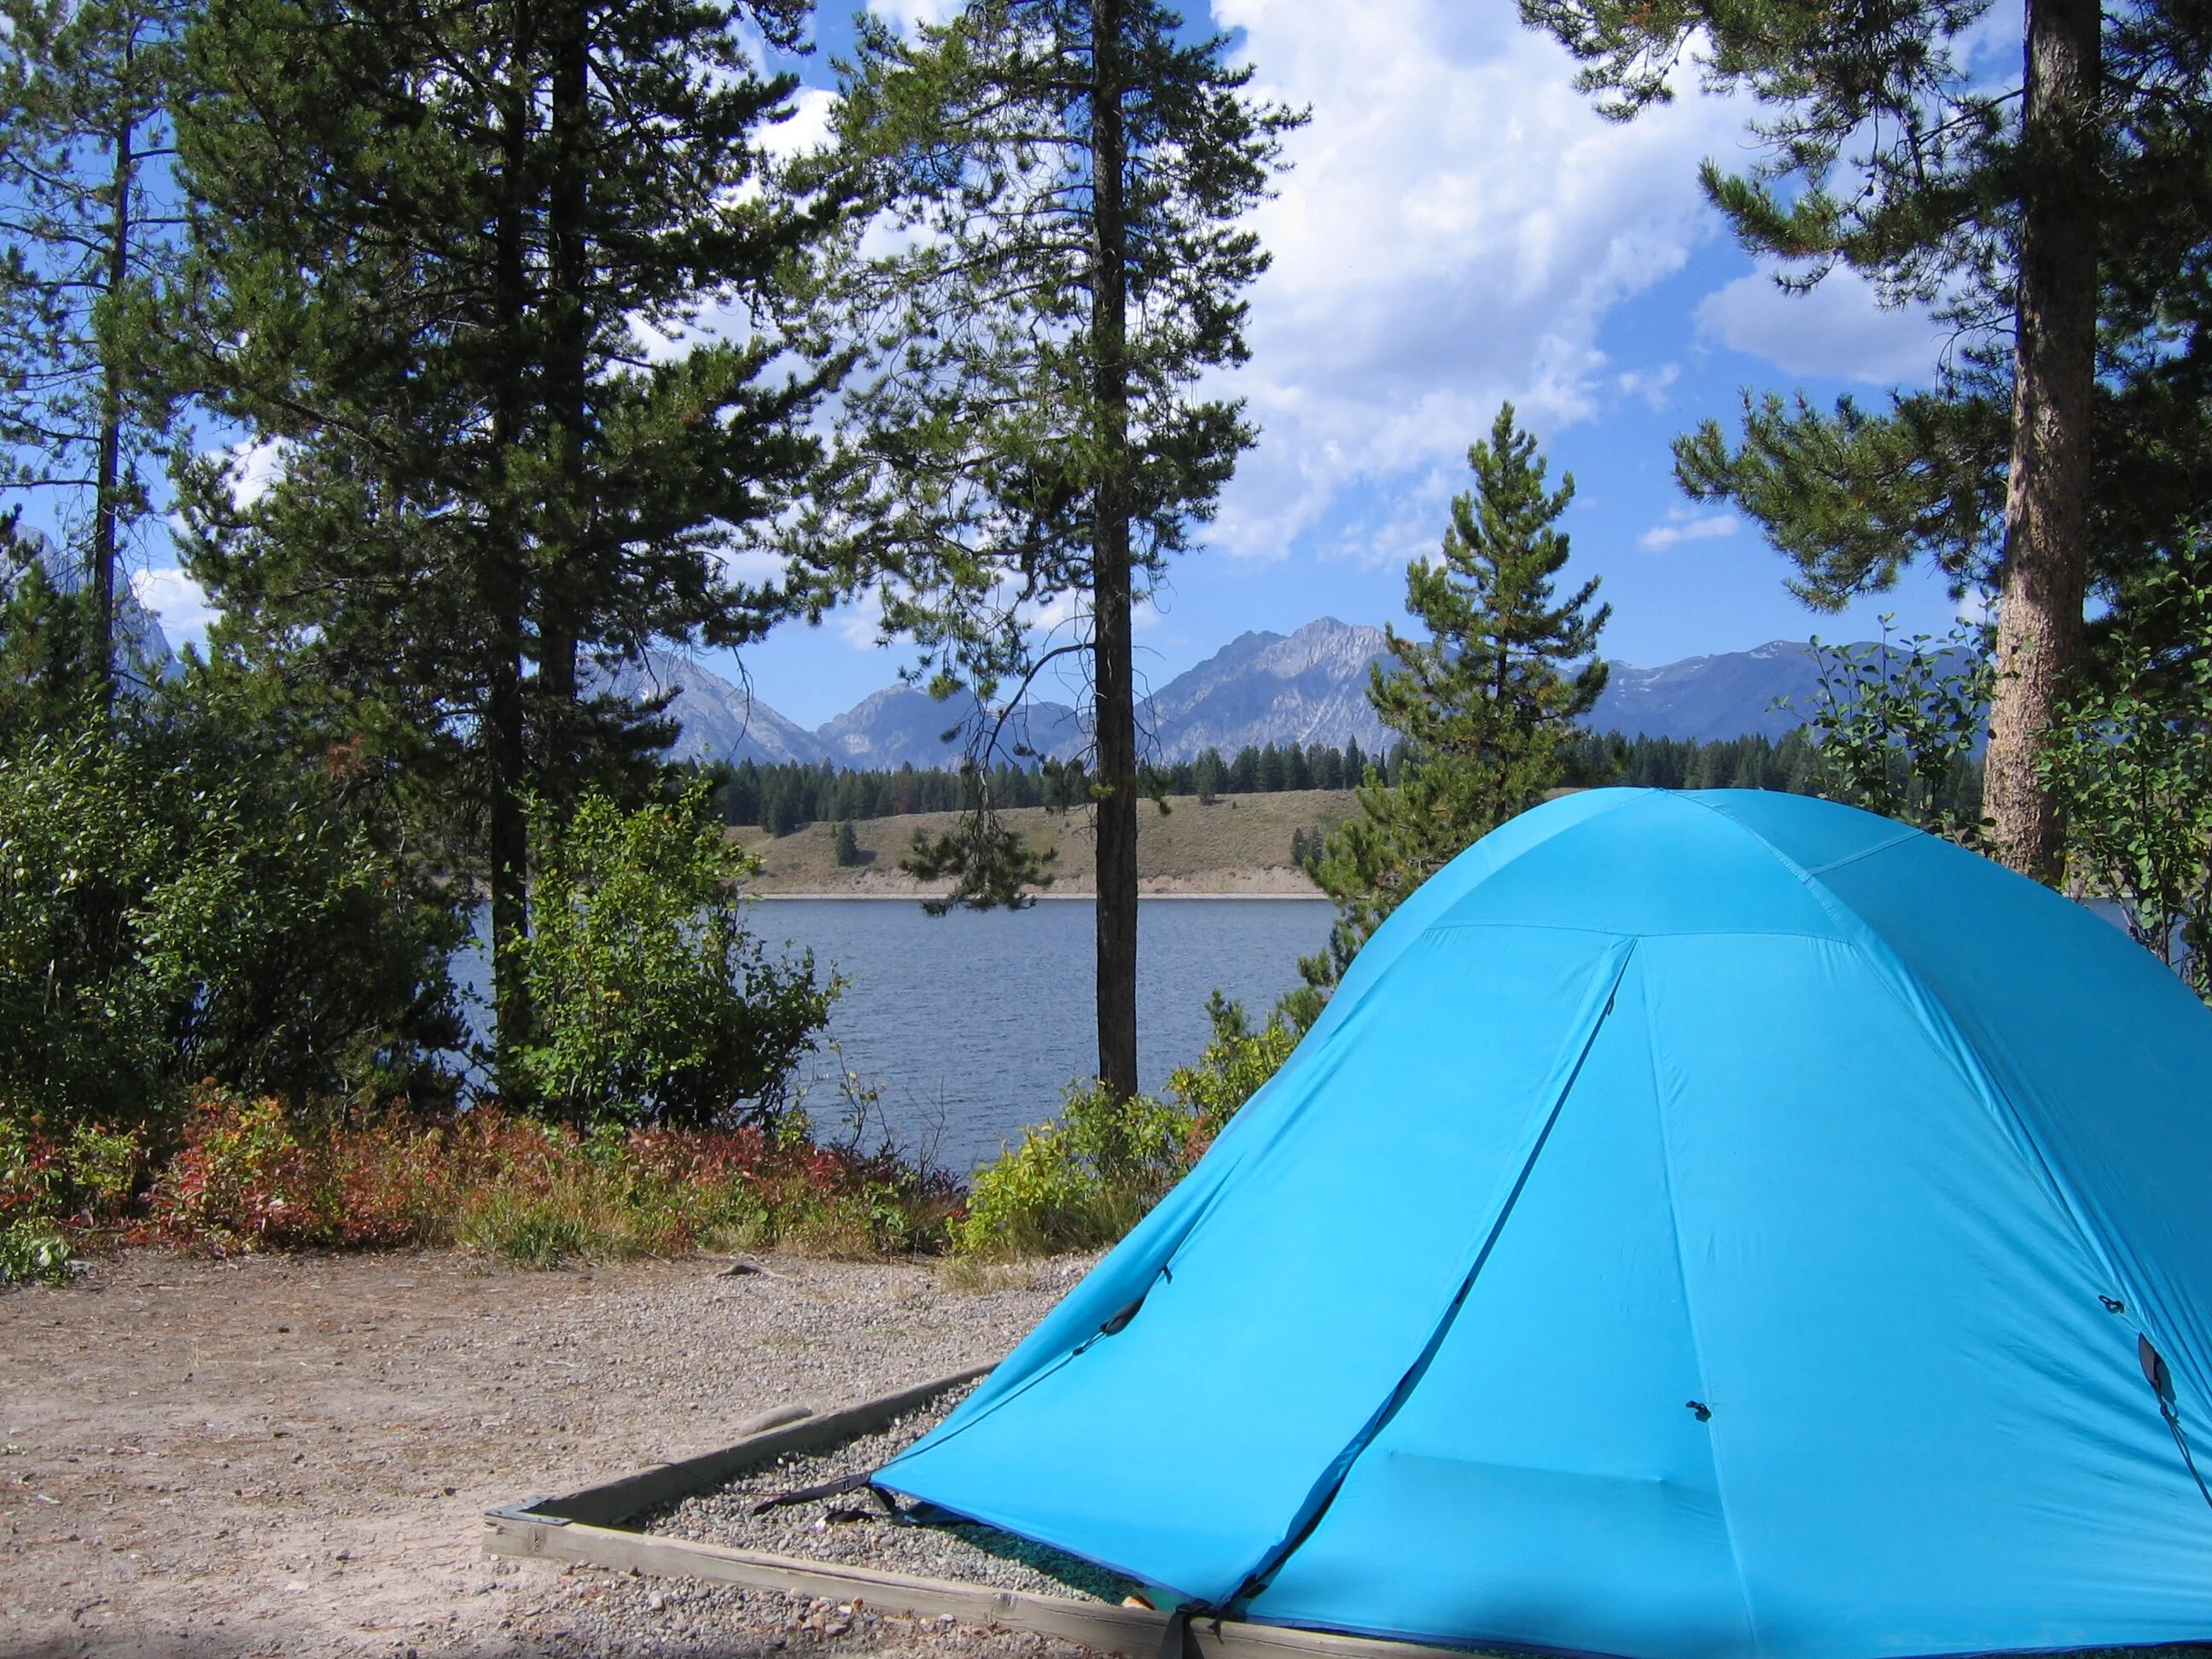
[[245, 1175], [1216, 843]]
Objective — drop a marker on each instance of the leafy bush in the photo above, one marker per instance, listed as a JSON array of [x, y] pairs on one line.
[[2131, 759], [164, 919], [653, 1003], [88, 1177], [249, 1175], [1090, 1175], [33, 1252], [1081, 1179], [1230, 1073], [1897, 723]]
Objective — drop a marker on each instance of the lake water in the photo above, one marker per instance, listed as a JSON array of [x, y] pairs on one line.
[[970, 1024]]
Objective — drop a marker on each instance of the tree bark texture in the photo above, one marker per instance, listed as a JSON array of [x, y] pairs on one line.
[[503, 575], [1114, 675], [106, 508], [562, 558], [2039, 624]]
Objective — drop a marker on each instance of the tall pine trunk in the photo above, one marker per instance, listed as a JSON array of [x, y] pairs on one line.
[[2047, 492], [108, 479], [504, 585], [1114, 672], [564, 558]]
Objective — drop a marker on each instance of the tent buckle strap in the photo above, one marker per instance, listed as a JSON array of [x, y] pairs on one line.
[[1178, 1641], [836, 1488], [2161, 1382]]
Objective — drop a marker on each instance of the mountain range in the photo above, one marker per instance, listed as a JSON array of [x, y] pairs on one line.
[[143, 653], [1307, 687]]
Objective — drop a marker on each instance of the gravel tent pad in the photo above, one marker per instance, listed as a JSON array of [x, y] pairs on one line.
[[859, 1530]]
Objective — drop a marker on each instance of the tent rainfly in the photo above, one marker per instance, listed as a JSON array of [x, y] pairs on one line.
[[1715, 1224]]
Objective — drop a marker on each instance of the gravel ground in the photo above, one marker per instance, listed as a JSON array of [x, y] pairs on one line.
[[291, 1455], [855, 1529]]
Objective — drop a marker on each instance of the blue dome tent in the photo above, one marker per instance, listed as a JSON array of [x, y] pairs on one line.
[[1701, 1224]]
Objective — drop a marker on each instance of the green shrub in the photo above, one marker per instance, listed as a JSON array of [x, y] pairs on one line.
[[1088, 1176], [44, 1182], [1080, 1181], [653, 1003], [33, 1252], [1232, 1068], [2130, 756], [1897, 724], [167, 916]]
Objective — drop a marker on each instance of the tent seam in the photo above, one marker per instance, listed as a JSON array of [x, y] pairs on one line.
[[1689, 1317], [1513, 925], [1338, 1470], [1948, 1038], [1897, 840]]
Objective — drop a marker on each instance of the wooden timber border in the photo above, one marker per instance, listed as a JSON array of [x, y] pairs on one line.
[[585, 1526]]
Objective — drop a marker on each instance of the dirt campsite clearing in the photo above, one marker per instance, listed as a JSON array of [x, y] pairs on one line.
[[290, 1455]]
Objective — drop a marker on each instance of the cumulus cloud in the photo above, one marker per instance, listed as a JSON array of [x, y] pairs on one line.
[[1841, 330], [1684, 525], [1649, 384], [1456, 226], [906, 14], [806, 128], [254, 467], [177, 600]]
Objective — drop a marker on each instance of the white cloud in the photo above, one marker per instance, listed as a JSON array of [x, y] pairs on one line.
[[860, 622], [255, 466], [1456, 226], [906, 14], [1408, 523], [177, 600], [1841, 330], [807, 127], [1684, 525], [1650, 384]]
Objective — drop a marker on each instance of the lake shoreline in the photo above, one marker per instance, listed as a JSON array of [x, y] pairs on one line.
[[1229, 847]]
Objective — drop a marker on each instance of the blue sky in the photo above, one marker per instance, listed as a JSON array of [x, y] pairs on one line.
[[1458, 228]]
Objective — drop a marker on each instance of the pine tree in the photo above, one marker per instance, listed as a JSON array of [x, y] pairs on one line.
[[1028, 437], [1485, 707], [1209, 777], [430, 249], [2035, 215], [47, 685], [91, 256]]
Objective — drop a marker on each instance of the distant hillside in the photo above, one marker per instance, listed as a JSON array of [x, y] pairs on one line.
[[1261, 687], [1706, 698], [142, 652], [717, 720], [903, 725], [1238, 844]]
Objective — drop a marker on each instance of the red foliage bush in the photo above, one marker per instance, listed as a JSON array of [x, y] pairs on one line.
[[246, 1175]]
